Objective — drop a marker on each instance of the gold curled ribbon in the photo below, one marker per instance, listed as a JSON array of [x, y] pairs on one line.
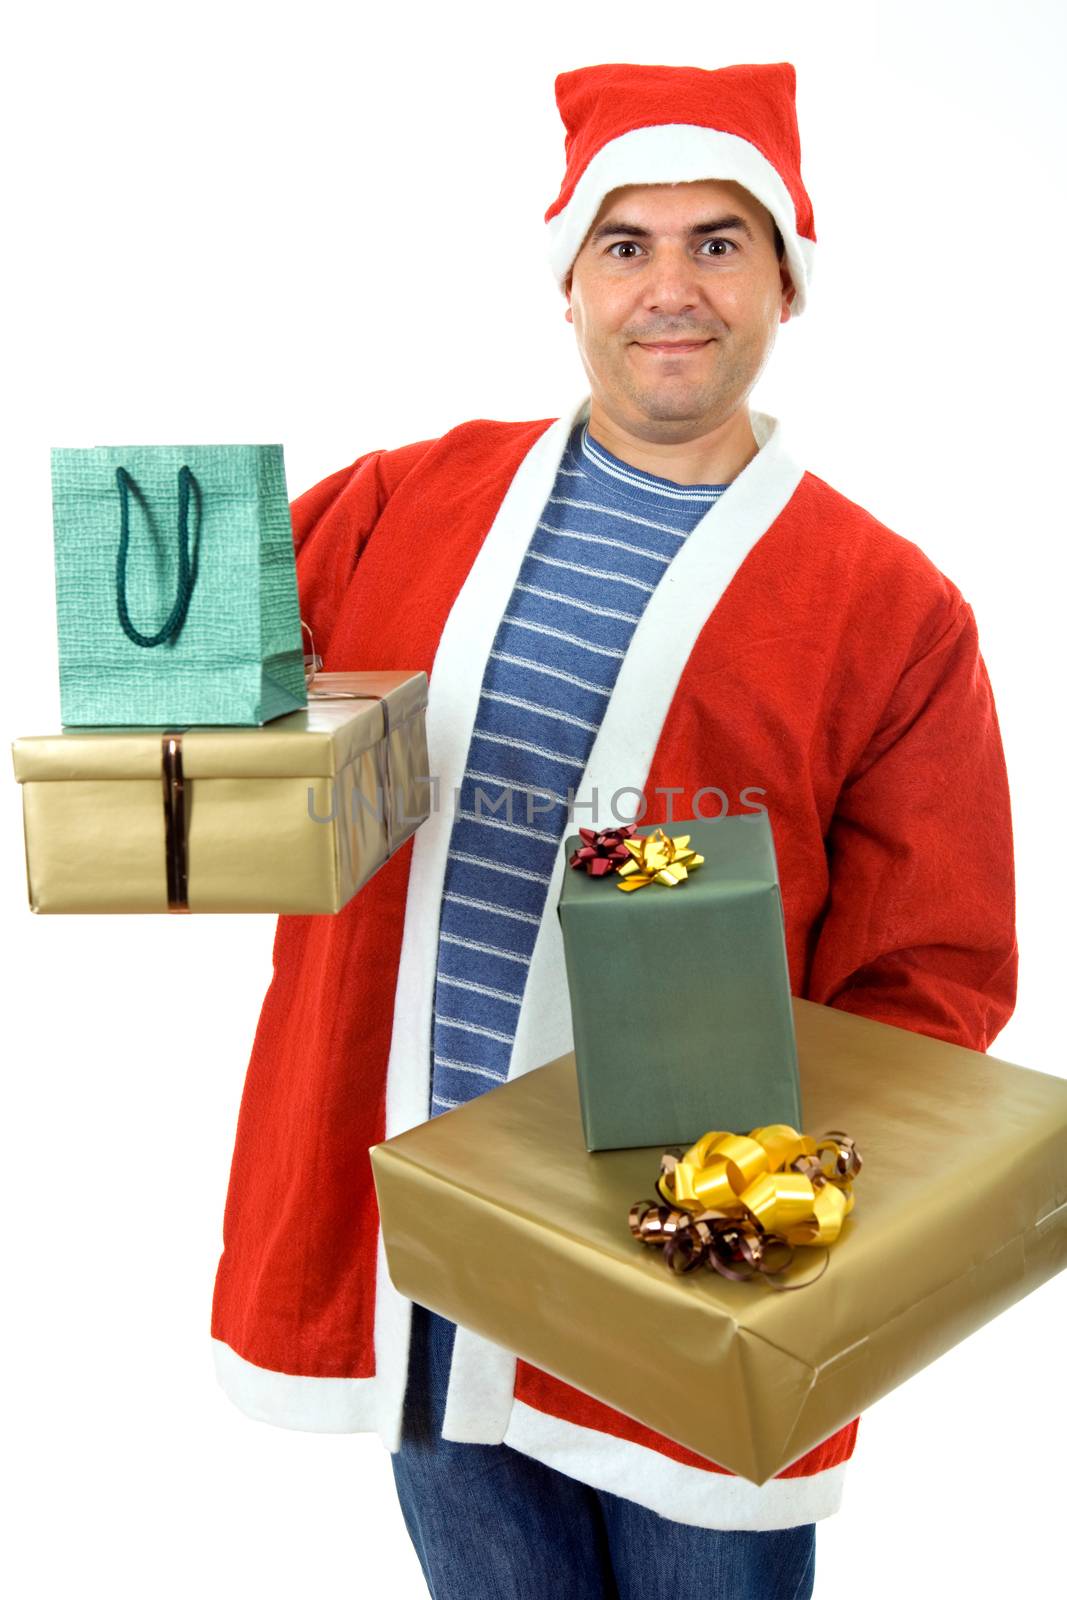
[[658, 858], [732, 1199]]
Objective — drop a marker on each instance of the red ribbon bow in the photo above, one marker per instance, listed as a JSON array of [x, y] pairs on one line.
[[603, 851]]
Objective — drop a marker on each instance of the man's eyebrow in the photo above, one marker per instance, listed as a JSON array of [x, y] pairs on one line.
[[616, 226]]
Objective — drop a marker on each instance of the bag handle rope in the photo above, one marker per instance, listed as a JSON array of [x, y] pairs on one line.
[[186, 576]]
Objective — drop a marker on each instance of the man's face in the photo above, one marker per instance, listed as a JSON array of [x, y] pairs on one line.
[[676, 297]]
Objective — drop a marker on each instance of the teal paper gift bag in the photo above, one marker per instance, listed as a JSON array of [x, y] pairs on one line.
[[175, 586]]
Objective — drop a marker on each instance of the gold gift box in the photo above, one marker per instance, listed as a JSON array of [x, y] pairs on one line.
[[292, 816], [495, 1216]]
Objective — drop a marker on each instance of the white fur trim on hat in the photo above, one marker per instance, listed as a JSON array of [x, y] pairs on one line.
[[678, 153]]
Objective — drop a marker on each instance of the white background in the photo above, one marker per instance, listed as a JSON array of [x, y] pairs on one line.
[[259, 223]]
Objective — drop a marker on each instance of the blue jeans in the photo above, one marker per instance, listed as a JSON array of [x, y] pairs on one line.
[[489, 1523]]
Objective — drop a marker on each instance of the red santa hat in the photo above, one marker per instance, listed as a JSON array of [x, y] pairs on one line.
[[638, 124]]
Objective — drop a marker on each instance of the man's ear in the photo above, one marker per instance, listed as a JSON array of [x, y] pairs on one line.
[[567, 291], [789, 293]]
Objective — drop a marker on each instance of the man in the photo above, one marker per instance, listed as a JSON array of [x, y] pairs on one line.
[[648, 595]]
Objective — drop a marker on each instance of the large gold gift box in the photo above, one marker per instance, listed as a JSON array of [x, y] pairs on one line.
[[495, 1216], [292, 816]]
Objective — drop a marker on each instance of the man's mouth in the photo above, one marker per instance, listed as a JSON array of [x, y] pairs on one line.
[[672, 347]]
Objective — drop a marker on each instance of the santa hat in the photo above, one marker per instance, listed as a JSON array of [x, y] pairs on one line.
[[637, 124]]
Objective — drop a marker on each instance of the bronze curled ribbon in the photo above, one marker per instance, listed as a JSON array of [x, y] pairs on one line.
[[735, 1201], [655, 858]]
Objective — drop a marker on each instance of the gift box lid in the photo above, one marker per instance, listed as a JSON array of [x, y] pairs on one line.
[[738, 853], [344, 717]]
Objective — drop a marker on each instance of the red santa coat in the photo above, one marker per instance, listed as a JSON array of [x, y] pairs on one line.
[[796, 654]]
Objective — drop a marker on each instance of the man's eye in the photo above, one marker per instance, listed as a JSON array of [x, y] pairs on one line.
[[728, 242], [623, 244]]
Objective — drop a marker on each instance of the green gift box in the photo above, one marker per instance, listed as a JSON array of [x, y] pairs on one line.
[[680, 995], [176, 586]]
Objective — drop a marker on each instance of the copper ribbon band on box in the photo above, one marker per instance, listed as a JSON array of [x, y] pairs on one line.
[[175, 811], [735, 1199], [174, 820]]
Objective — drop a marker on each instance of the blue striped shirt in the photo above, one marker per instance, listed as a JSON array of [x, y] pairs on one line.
[[606, 536]]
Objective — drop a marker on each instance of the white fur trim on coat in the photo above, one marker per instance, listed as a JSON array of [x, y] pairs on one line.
[[682, 1493]]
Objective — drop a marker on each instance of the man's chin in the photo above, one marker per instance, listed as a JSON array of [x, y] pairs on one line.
[[685, 408], [673, 399]]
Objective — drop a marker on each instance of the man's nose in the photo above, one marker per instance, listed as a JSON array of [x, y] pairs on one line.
[[672, 284]]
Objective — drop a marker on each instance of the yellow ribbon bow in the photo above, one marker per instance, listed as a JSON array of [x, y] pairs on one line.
[[658, 858], [736, 1174], [731, 1197]]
